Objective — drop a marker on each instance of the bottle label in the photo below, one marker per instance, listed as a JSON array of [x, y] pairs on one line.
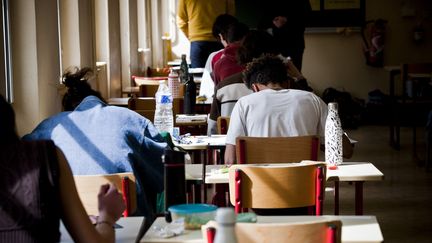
[[165, 99]]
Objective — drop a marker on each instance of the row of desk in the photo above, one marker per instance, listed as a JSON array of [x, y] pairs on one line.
[[356, 172], [354, 229]]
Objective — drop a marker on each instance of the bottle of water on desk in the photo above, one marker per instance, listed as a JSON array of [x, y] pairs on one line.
[[333, 136], [163, 119], [225, 233]]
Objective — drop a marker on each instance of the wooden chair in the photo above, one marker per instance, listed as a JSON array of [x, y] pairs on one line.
[[88, 188], [276, 149], [146, 106], [277, 186], [303, 232], [147, 85], [223, 124]]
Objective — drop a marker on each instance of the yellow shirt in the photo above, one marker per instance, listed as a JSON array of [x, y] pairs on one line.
[[196, 17]]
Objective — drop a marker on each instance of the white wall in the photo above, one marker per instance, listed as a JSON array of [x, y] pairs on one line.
[[335, 60]]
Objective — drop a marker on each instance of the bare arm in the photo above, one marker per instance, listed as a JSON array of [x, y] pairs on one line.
[[230, 154], [74, 215]]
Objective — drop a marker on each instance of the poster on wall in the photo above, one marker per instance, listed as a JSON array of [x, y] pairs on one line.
[[337, 13], [341, 4]]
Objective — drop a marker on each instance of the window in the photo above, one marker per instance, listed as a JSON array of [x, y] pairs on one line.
[[5, 52]]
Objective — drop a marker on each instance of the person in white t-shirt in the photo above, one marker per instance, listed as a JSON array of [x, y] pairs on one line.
[[274, 110]]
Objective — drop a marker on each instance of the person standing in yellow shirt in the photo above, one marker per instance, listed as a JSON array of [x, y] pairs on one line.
[[195, 19]]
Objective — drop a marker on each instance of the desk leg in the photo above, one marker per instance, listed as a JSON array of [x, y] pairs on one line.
[[359, 197], [336, 197], [394, 117]]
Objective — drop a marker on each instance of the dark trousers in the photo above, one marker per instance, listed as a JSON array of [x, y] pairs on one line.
[[200, 50]]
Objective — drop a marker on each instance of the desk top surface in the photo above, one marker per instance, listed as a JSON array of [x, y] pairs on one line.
[[354, 228], [348, 171], [129, 228], [202, 142]]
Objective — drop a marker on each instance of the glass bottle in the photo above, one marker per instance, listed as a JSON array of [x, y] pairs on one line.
[[184, 70], [189, 99], [333, 136]]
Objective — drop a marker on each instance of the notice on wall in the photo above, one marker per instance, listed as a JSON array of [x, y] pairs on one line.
[[341, 4]]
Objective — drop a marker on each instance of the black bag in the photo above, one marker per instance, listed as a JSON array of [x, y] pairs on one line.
[[350, 109]]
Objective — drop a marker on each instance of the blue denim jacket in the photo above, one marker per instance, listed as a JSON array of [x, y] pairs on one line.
[[101, 139]]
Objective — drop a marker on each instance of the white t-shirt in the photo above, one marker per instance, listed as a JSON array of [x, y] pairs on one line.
[[282, 113], [207, 83]]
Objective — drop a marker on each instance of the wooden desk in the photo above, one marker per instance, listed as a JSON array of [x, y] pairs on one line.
[[130, 90], [204, 145], [127, 233], [354, 228], [357, 172], [123, 102], [394, 126]]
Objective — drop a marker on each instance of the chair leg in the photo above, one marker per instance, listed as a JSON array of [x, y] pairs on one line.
[[428, 153]]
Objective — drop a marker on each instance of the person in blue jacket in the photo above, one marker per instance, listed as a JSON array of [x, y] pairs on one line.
[[100, 139]]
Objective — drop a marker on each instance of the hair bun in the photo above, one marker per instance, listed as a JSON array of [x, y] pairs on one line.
[[75, 77]]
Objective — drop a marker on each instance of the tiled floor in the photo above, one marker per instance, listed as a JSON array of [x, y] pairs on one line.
[[403, 201]]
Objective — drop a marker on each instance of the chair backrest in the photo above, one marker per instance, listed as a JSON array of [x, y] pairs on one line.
[[88, 188], [146, 106], [320, 231], [277, 186], [222, 124], [147, 85], [276, 149], [313, 232]]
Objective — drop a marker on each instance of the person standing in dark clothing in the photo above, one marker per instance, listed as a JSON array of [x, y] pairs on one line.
[[286, 21]]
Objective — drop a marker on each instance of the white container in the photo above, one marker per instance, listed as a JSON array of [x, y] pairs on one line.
[[174, 84], [225, 232], [333, 136]]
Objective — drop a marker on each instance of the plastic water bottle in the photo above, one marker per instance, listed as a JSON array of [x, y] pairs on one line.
[[333, 136], [163, 119], [225, 233]]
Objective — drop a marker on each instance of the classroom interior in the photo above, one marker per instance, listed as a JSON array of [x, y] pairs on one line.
[[106, 35]]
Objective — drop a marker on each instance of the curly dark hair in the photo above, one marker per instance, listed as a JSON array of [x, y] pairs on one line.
[[266, 69], [76, 80], [254, 44]]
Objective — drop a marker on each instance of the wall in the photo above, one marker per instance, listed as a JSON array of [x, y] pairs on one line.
[[335, 60], [36, 61]]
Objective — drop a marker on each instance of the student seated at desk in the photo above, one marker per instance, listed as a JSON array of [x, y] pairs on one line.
[[274, 110], [37, 190], [101, 139], [229, 90], [220, 25]]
